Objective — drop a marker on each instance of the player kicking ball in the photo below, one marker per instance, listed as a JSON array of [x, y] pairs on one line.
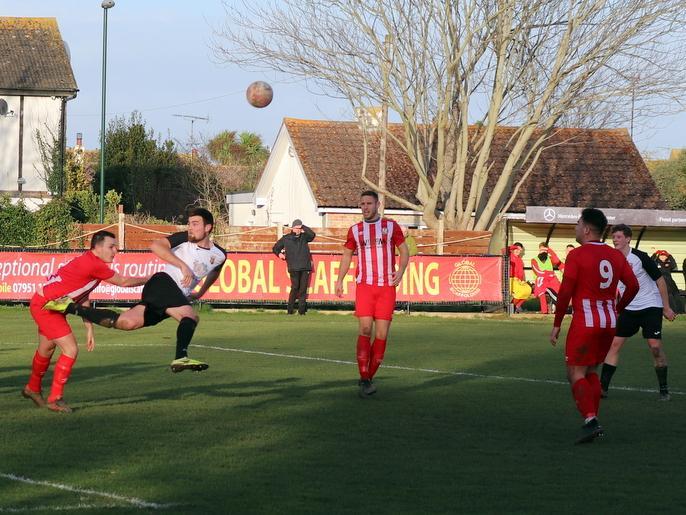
[[75, 281], [592, 272], [375, 240], [190, 256]]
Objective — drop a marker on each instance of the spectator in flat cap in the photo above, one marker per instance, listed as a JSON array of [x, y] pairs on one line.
[[294, 248]]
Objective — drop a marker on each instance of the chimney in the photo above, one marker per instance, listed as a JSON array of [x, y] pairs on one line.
[[79, 139]]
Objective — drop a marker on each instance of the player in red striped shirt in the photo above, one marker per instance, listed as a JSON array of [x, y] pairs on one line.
[[592, 272], [76, 280], [375, 240]]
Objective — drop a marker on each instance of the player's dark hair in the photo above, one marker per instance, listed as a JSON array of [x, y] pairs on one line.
[[517, 244], [570, 246], [595, 218], [202, 212], [370, 193], [623, 228], [542, 244], [99, 237]]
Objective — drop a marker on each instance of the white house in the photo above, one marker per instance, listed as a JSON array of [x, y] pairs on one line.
[[36, 81], [313, 173]]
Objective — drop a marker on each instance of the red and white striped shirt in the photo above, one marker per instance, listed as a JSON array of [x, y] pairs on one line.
[[592, 272], [77, 278], [375, 243]]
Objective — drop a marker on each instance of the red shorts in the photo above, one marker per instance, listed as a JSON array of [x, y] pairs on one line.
[[50, 324], [377, 302], [587, 346]]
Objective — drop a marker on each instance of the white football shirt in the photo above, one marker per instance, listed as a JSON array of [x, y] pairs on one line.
[[199, 259]]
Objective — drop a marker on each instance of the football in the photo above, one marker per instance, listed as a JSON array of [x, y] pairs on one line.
[[259, 94]]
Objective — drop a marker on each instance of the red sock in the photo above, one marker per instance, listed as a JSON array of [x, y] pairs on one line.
[[583, 396], [363, 351], [593, 380], [378, 350], [39, 366], [518, 302], [544, 303], [62, 372]]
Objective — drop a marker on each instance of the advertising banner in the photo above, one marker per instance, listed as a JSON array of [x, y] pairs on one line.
[[263, 277]]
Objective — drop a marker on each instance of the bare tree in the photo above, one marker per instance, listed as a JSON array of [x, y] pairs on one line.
[[533, 64], [208, 183]]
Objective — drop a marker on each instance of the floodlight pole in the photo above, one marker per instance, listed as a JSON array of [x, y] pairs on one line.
[[106, 4]]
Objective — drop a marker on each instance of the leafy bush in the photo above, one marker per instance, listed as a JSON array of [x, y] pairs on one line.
[[54, 222], [17, 227]]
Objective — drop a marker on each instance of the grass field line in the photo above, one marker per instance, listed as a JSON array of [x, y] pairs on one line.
[[427, 370], [68, 508], [133, 501], [387, 366]]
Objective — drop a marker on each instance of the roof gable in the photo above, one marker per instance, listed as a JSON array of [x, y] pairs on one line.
[[582, 167], [33, 56]]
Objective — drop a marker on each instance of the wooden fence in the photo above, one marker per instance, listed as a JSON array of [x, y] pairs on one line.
[[261, 239]]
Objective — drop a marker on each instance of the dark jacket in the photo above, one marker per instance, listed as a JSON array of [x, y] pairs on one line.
[[298, 255]]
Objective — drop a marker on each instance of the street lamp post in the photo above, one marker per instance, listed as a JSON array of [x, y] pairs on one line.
[[106, 4]]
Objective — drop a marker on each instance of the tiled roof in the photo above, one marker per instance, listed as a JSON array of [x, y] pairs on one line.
[[584, 167], [33, 56]]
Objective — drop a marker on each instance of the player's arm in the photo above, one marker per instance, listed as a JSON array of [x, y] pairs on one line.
[[667, 311], [127, 282], [210, 279], [346, 258], [404, 254], [564, 296], [162, 249], [653, 271], [90, 333]]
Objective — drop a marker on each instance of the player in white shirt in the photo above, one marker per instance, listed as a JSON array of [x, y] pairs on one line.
[[644, 312], [190, 256]]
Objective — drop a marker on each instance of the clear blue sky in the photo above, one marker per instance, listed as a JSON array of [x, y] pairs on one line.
[[159, 56]]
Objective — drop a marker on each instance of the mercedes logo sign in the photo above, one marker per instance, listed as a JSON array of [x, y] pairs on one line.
[[549, 214]]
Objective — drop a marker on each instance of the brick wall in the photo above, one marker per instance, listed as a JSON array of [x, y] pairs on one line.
[[261, 239]]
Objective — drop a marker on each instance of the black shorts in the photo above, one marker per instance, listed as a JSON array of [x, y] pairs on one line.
[[159, 294], [648, 319]]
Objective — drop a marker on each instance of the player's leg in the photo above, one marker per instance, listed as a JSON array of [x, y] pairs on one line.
[[364, 345], [302, 291], [628, 324], [652, 332], [610, 364], [543, 300], [553, 300], [383, 315], [51, 327], [295, 289], [581, 390], [188, 321], [63, 367], [378, 349], [586, 401], [365, 301], [660, 363], [103, 317], [39, 366], [580, 357], [131, 319]]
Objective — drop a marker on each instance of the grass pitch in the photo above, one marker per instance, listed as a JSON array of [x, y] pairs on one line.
[[472, 416]]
